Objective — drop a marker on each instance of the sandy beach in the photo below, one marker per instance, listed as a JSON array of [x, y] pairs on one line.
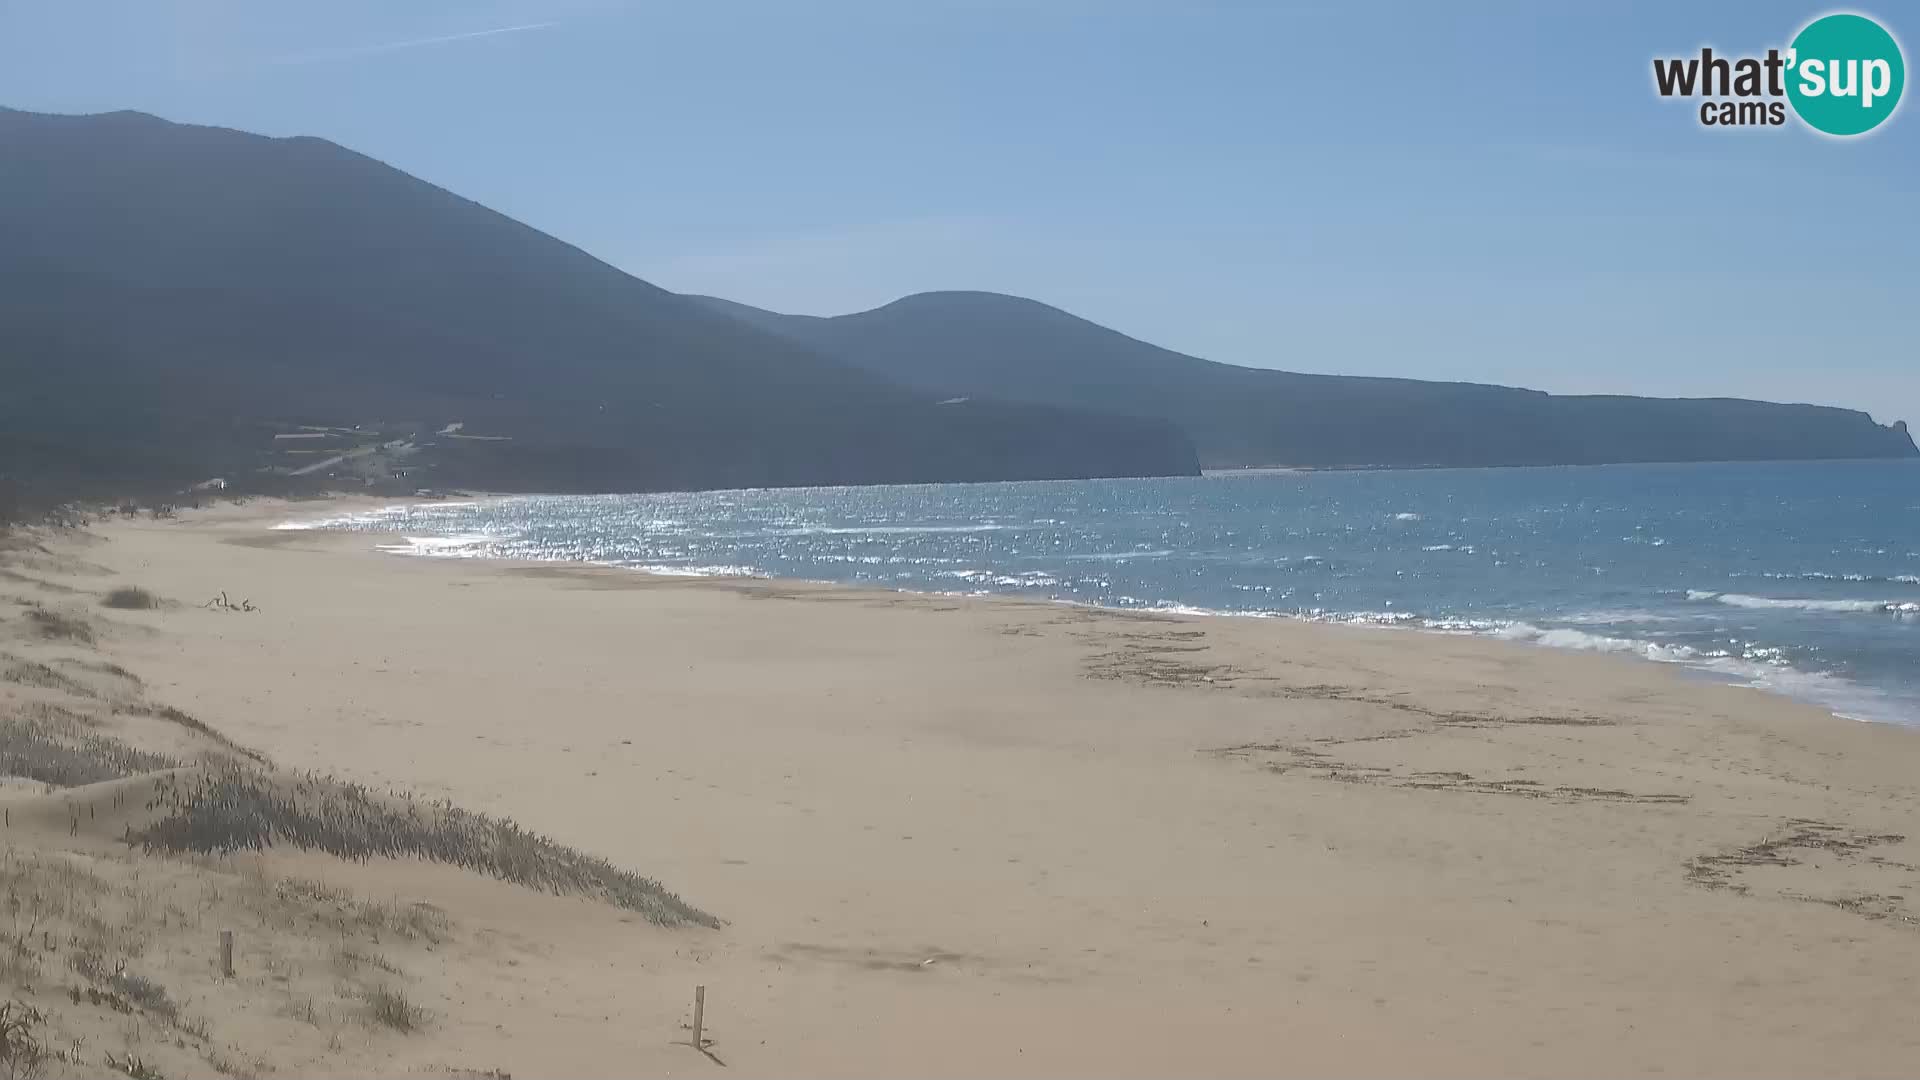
[[957, 836]]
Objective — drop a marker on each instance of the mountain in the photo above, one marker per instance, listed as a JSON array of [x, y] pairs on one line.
[[172, 295], [986, 344]]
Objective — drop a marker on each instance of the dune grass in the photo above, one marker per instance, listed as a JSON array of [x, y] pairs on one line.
[[33, 673], [59, 626], [192, 723], [230, 806], [22, 1054], [407, 922], [391, 1008], [62, 753], [219, 811], [138, 990]]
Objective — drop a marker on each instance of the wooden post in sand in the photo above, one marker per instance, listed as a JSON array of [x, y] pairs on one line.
[[699, 1015], [226, 953]]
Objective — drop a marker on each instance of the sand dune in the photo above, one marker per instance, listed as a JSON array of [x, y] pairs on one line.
[[944, 836]]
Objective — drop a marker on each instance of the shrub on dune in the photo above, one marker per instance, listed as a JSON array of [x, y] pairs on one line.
[[131, 598]]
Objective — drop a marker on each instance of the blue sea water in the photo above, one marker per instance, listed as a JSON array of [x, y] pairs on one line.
[[1803, 578]]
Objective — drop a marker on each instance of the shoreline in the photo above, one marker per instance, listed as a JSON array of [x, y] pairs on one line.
[[953, 835], [1722, 670]]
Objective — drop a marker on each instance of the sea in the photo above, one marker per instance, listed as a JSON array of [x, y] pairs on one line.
[[1797, 578]]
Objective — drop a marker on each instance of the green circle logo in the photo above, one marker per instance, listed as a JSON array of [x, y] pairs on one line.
[[1845, 74]]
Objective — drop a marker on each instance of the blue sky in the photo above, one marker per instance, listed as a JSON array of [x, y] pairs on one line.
[[1483, 191]]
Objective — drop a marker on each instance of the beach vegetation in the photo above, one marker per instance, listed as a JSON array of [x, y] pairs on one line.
[[59, 751], [131, 598], [391, 1008], [137, 990], [60, 626], [135, 1067], [192, 723], [21, 1054], [13, 669], [221, 810], [229, 806]]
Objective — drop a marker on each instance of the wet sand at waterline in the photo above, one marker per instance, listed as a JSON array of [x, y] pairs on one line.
[[957, 836]]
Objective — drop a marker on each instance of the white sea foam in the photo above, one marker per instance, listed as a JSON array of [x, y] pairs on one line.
[[372, 518], [470, 546], [1758, 667], [722, 570], [1381, 618], [1031, 579], [1359, 618], [1457, 625], [1629, 615], [886, 530], [1742, 600], [1565, 638], [1188, 609]]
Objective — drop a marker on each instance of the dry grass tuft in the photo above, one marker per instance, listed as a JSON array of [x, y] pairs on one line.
[[18, 965], [309, 890], [59, 626], [408, 922], [136, 990], [417, 920], [131, 598], [348, 961], [134, 1067], [46, 898], [21, 1052], [391, 1008]]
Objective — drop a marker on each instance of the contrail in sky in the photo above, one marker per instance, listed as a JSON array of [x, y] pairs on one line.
[[395, 46]]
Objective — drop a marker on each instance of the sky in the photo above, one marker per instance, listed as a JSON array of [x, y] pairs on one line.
[[1483, 191]]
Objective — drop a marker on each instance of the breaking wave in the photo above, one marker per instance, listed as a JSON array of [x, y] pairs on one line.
[[1742, 600]]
